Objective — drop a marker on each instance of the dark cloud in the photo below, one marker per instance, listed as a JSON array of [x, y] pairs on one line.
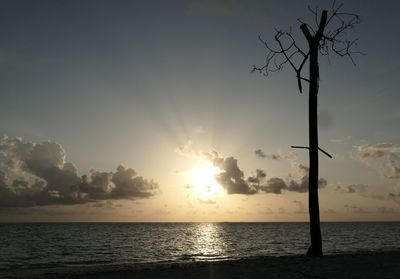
[[275, 156], [253, 179], [277, 185], [231, 177], [260, 154], [38, 175], [260, 174], [258, 178], [128, 184]]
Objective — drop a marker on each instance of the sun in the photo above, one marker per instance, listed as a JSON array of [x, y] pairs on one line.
[[203, 180]]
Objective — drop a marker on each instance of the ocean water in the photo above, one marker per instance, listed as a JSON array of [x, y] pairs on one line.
[[66, 244]]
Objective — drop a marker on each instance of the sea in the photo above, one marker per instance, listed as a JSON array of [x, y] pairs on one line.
[[39, 245]]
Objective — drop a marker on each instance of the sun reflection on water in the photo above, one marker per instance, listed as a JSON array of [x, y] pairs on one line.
[[209, 243]]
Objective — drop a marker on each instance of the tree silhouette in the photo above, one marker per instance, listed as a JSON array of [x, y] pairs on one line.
[[329, 35]]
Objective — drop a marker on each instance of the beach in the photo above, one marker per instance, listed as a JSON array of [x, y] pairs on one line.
[[363, 265]]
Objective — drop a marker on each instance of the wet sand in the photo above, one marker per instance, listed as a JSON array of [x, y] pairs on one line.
[[363, 265]]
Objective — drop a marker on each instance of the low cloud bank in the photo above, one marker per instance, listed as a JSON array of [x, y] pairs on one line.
[[277, 185], [36, 174], [233, 180]]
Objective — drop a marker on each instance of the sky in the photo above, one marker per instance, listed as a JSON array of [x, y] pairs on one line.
[[148, 111]]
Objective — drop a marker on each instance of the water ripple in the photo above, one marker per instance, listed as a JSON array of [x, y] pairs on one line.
[[39, 245]]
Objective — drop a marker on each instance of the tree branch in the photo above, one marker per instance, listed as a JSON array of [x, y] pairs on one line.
[[286, 52], [306, 147], [330, 34], [306, 32]]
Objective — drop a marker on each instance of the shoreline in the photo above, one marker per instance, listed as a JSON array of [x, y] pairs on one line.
[[384, 264]]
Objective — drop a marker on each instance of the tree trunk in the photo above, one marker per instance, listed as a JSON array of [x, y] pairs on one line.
[[315, 249]]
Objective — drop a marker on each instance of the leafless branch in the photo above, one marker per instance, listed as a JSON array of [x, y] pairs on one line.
[[315, 13], [285, 52], [332, 38], [335, 39]]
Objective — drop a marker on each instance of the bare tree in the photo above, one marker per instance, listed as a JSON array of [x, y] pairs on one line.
[[327, 35]]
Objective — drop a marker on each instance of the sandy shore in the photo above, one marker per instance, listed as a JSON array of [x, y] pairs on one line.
[[367, 265]]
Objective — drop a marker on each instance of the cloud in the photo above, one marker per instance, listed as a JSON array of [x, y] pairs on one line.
[[387, 147], [275, 185], [361, 190], [330, 211], [233, 180], [290, 156], [301, 209], [386, 210], [366, 192], [278, 185], [394, 197], [392, 162], [260, 154], [186, 149], [260, 174], [353, 188], [258, 178], [355, 209], [386, 150], [128, 184], [36, 174], [207, 201], [231, 177]]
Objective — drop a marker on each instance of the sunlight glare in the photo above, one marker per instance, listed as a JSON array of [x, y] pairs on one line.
[[203, 179]]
